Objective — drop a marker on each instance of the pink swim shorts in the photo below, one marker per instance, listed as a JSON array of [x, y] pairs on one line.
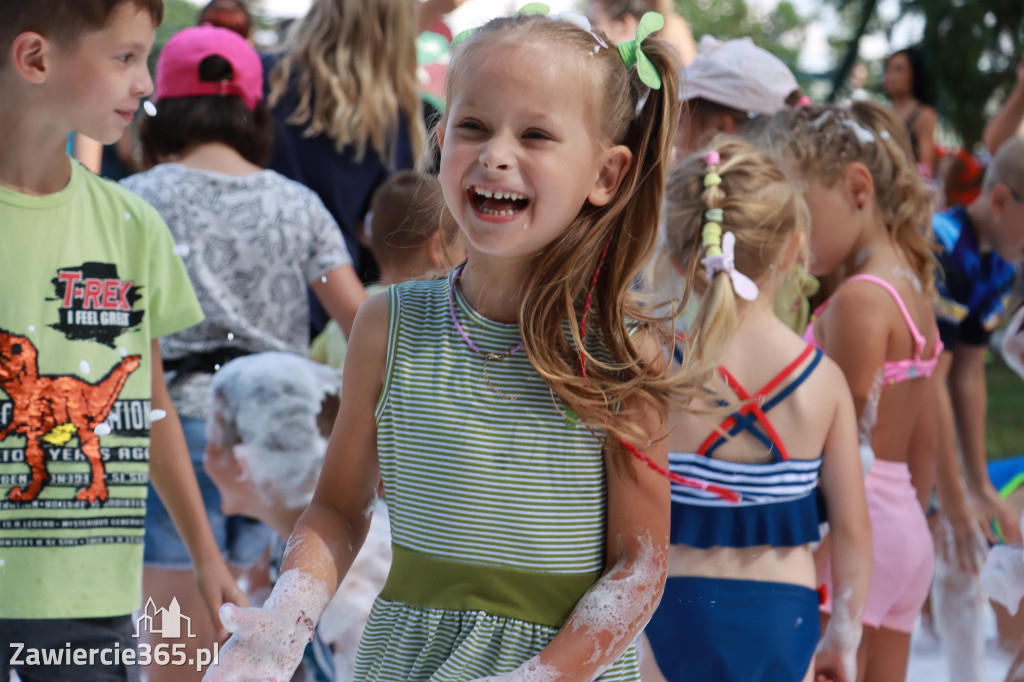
[[903, 553]]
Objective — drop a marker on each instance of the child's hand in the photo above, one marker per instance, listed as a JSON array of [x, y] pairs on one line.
[[962, 542], [836, 655], [267, 644], [218, 587], [991, 506], [1012, 345]]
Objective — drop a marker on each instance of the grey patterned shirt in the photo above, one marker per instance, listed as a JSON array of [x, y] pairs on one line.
[[252, 244]]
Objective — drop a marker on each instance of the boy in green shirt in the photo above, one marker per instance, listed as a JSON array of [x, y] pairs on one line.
[[88, 282]]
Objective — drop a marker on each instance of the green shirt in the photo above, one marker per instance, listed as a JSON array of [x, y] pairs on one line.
[[88, 277]]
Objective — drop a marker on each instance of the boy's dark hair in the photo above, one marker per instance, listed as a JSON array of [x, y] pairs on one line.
[[184, 122], [229, 14], [61, 21]]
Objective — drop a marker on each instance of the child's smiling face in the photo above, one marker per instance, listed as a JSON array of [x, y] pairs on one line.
[[100, 80], [521, 148]]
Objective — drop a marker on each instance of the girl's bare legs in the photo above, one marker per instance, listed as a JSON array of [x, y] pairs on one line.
[[887, 653]]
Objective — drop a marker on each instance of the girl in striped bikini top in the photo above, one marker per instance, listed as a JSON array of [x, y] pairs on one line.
[[776, 422]]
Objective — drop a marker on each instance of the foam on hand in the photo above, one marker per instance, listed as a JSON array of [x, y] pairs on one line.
[[265, 408], [1002, 576], [1012, 345], [267, 643], [843, 634]]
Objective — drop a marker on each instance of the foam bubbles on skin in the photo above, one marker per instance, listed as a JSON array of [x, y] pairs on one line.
[[271, 402], [84, 367], [102, 429], [618, 605], [31, 328], [531, 671], [156, 415], [1002, 576], [843, 634], [268, 642]]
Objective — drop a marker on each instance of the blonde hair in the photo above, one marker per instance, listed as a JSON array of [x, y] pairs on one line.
[[823, 140], [607, 243], [760, 205], [353, 64]]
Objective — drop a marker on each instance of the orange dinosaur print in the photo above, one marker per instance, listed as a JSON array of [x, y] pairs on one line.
[[53, 409]]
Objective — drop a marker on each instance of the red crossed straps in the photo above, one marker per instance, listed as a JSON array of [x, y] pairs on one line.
[[753, 404]]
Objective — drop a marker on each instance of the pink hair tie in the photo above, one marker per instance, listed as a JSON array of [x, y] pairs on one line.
[[712, 158]]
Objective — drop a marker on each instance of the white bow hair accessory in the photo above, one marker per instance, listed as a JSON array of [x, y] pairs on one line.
[[741, 284]]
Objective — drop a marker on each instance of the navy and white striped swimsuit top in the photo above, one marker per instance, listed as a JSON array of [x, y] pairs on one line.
[[778, 503]]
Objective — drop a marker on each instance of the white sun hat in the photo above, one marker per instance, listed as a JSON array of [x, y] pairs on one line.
[[740, 75]]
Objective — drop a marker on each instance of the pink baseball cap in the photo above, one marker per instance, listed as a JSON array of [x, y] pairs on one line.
[[177, 69], [740, 75]]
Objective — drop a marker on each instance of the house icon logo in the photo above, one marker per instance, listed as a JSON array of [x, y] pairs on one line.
[[166, 622]]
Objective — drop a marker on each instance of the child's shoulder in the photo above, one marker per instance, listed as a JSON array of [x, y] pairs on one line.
[[422, 287], [110, 197]]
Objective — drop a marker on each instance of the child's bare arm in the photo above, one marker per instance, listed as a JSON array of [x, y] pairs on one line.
[[1009, 119], [170, 470], [332, 529], [610, 616], [850, 538], [969, 394], [341, 294], [268, 642]]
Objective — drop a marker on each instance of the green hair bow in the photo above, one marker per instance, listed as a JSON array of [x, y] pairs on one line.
[[632, 54]]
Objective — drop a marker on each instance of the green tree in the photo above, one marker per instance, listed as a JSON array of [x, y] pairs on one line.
[[972, 49], [178, 14], [780, 31]]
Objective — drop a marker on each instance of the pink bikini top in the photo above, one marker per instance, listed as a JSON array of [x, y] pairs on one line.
[[893, 371]]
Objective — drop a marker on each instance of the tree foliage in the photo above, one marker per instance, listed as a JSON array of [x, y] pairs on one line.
[[972, 49], [780, 31]]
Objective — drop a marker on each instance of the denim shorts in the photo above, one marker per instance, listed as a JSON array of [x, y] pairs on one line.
[[241, 539], [88, 634]]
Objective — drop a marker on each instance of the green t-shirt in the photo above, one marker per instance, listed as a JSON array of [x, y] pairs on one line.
[[88, 277]]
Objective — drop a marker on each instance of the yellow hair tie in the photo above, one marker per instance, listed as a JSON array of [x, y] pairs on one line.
[[711, 239], [712, 180]]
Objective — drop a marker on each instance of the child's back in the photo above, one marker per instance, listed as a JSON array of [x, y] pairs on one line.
[[869, 213], [775, 419]]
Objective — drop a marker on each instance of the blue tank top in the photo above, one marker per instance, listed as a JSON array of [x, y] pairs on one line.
[[778, 503]]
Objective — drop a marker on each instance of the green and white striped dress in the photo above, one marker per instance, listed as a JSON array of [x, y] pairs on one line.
[[497, 508]]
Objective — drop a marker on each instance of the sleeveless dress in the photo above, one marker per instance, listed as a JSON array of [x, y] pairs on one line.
[[498, 507]]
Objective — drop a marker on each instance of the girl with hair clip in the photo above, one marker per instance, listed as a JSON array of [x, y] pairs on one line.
[[513, 408], [870, 222], [741, 569], [345, 97]]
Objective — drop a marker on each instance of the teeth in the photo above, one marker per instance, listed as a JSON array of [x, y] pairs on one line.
[[498, 213], [498, 195]]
